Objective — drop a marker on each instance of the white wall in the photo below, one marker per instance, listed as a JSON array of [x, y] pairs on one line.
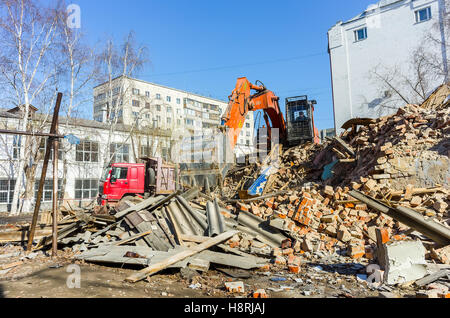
[[393, 35]]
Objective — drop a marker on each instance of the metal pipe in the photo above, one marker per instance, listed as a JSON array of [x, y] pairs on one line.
[[29, 133], [433, 230], [268, 234], [267, 196]]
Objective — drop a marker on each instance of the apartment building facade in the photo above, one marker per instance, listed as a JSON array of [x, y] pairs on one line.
[[380, 40], [84, 162], [152, 105]]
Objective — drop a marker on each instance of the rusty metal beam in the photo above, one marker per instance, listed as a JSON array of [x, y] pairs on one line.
[[431, 229], [29, 133]]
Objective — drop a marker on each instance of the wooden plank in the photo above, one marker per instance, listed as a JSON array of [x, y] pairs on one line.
[[20, 236], [140, 206], [10, 265], [180, 256], [345, 146], [132, 238], [432, 278], [226, 248]]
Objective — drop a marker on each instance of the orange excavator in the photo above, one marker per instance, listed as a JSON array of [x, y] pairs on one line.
[[298, 128], [194, 151]]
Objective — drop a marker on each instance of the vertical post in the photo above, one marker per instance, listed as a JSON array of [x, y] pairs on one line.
[[43, 174], [55, 196]]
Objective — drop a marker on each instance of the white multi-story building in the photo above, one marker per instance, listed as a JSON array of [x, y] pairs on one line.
[[84, 163], [133, 136], [153, 105], [381, 38]]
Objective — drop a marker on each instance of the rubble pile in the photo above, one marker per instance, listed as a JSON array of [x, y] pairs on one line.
[[376, 195], [401, 160]]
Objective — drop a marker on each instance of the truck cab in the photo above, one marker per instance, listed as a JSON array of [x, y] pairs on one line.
[[149, 178]]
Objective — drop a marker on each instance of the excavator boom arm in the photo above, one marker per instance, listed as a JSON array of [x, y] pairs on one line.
[[241, 101]]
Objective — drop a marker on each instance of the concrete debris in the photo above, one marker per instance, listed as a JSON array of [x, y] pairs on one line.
[[405, 262], [306, 221]]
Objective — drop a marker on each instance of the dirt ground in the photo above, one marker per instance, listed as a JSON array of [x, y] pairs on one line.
[[44, 277]]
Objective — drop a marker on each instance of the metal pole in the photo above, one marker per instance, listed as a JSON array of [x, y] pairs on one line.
[[43, 175], [55, 198], [433, 230], [28, 133]]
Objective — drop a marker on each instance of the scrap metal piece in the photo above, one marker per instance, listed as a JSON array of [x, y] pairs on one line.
[[358, 121], [266, 233], [431, 229], [216, 223]]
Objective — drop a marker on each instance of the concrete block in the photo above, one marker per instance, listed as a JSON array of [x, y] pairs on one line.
[[200, 265], [404, 261]]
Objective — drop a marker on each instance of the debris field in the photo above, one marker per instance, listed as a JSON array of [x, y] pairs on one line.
[[364, 215]]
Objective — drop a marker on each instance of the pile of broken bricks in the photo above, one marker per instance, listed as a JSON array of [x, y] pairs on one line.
[[303, 217], [322, 218]]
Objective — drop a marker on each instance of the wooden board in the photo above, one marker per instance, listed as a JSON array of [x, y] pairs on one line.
[[152, 269]]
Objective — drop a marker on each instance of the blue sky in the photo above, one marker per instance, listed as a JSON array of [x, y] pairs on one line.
[[204, 46]]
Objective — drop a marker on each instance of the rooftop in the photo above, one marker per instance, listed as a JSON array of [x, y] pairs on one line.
[[166, 87]]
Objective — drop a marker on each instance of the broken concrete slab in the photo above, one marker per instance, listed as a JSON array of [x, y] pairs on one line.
[[404, 261]]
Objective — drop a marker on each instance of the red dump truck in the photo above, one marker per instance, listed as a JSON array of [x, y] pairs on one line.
[[153, 177]]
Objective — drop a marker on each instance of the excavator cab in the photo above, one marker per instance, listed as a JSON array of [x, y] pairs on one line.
[[300, 120]]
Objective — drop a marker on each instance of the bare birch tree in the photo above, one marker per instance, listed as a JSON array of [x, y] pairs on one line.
[[118, 66], [78, 74], [27, 30]]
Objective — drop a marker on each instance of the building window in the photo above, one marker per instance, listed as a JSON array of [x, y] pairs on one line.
[[135, 103], [99, 118], [99, 97], [119, 152], [47, 194], [158, 118], [7, 190], [169, 109], [147, 105], [147, 116], [147, 94], [423, 15], [158, 96], [86, 189], [247, 125], [145, 151], [248, 134], [135, 114], [17, 140], [189, 122], [360, 34], [169, 120], [247, 142], [98, 108], [135, 91], [158, 108], [43, 147], [168, 99], [87, 151], [179, 122], [116, 90], [178, 101]]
